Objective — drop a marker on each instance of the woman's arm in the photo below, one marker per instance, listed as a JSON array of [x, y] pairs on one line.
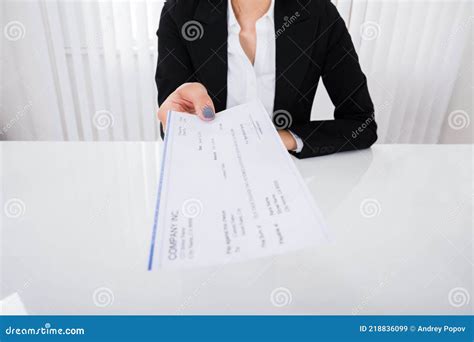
[[174, 64], [353, 126], [177, 89]]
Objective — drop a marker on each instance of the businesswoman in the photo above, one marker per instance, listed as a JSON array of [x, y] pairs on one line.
[[215, 54]]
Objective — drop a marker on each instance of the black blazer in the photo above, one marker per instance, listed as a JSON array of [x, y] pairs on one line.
[[312, 42]]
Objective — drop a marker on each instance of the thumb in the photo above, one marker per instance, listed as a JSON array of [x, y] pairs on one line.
[[204, 107], [196, 94]]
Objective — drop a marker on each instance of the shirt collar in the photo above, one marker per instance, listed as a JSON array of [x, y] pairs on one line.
[[232, 20]]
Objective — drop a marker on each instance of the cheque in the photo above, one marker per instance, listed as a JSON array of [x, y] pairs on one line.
[[229, 191]]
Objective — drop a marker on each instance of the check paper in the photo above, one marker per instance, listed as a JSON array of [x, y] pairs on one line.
[[229, 191]]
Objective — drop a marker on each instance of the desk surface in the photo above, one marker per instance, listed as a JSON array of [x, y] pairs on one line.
[[400, 217]]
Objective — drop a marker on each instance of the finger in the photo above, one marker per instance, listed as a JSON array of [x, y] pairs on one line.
[[202, 102], [205, 108]]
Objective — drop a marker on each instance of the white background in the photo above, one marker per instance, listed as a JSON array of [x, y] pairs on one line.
[[84, 70]]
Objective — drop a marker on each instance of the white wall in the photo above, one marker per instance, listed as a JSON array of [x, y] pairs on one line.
[[458, 124], [84, 70], [79, 70], [411, 52]]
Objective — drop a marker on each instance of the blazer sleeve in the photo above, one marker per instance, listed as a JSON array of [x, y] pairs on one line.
[[174, 64], [354, 124]]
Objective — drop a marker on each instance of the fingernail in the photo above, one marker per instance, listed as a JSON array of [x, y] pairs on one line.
[[208, 113]]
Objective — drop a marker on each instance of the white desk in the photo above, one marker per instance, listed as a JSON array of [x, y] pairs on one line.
[[88, 218]]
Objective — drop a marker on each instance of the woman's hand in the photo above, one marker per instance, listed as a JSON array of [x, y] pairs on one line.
[[288, 140], [189, 98], [193, 98]]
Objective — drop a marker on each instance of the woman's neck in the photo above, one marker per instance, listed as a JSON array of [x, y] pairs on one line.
[[249, 11]]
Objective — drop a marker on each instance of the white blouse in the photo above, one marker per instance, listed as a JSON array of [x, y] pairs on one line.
[[247, 82]]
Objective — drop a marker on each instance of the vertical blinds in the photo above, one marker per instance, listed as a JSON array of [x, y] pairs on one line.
[[83, 70]]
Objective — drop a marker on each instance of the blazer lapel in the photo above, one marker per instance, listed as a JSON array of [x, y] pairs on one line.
[[295, 31], [209, 52]]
